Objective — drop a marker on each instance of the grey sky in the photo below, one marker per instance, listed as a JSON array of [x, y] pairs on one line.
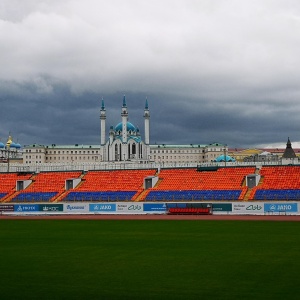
[[213, 71]]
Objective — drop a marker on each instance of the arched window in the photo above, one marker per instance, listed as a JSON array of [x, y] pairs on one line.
[[133, 148]]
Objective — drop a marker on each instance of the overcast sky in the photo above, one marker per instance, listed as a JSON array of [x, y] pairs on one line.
[[224, 71]]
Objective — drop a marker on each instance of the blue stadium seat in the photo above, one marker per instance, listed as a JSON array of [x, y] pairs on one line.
[[100, 196], [193, 195], [34, 197], [288, 194], [2, 195]]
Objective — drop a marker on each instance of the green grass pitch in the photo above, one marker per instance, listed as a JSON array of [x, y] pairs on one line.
[[139, 259]]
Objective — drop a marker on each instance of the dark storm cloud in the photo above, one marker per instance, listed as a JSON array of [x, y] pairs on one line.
[[213, 71]]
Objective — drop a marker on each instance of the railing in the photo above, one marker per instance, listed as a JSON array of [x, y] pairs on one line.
[[92, 166], [84, 166]]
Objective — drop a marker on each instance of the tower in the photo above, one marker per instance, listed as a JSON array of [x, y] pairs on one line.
[[289, 151], [103, 120], [147, 121], [124, 115]]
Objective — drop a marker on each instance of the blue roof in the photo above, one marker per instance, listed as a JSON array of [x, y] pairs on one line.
[[130, 127], [2, 145], [222, 158]]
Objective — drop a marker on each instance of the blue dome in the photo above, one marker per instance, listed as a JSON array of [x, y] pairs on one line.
[[13, 145], [18, 146], [2, 145], [130, 127], [221, 158]]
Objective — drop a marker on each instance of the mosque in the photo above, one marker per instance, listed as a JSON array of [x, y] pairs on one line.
[[123, 143]]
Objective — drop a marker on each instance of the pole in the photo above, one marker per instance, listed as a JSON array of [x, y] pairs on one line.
[[7, 153]]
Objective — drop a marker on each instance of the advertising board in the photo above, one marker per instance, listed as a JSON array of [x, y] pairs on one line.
[[130, 208], [51, 208], [281, 208], [155, 207], [26, 208], [102, 207], [76, 207], [248, 208], [6, 207], [222, 207]]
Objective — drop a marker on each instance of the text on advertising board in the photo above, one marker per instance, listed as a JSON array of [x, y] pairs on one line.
[[7, 207], [26, 208], [51, 207], [155, 207], [248, 208], [281, 207], [107, 207], [129, 208]]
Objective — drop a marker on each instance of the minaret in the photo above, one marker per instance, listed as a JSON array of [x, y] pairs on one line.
[[124, 116], [147, 120], [103, 120]]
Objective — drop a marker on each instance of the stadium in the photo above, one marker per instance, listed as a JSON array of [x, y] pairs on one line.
[[129, 178], [131, 226]]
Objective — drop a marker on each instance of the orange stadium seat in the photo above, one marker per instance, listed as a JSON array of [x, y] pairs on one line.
[[279, 183], [110, 185], [190, 184], [46, 186]]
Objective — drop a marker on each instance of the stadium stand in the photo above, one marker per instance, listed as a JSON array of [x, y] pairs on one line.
[[8, 183], [190, 184], [113, 185], [176, 184], [46, 186], [279, 183]]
